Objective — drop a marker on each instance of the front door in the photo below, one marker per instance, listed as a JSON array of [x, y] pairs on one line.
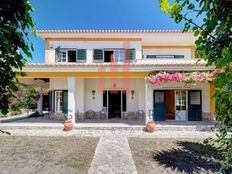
[[194, 106], [114, 102], [159, 106], [181, 106]]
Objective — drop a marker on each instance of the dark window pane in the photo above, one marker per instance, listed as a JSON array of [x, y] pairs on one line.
[[71, 55], [151, 56], [178, 56], [104, 98], [124, 101]]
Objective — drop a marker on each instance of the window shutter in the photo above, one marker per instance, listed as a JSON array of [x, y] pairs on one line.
[[98, 55], [50, 101], [81, 55], [127, 55], [132, 54], [57, 52], [65, 102], [179, 56], [151, 56]]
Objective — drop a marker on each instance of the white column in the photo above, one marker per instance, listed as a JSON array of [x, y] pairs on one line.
[[146, 105], [141, 94], [40, 102], [80, 97], [71, 98]]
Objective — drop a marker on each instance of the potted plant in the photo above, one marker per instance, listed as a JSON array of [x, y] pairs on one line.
[[68, 124], [150, 126]]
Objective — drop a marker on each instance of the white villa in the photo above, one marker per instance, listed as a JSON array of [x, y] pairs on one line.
[[100, 74]]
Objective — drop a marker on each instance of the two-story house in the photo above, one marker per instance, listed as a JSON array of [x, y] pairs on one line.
[[106, 70]]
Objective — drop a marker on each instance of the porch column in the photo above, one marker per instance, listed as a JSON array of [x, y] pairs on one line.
[[212, 101], [80, 97], [146, 104], [71, 98], [40, 102]]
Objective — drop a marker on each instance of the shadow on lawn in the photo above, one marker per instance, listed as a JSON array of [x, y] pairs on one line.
[[190, 158]]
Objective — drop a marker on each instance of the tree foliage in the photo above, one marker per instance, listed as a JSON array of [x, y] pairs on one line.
[[214, 43], [26, 97], [15, 26]]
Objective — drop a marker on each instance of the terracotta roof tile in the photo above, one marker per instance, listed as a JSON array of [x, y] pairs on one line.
[[143, 64], [111, 31]]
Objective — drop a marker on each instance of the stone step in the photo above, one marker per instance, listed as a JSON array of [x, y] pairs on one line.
[[158, 128]]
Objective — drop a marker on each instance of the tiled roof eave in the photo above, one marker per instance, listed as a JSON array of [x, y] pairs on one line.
[[109, 31], [112, 64]]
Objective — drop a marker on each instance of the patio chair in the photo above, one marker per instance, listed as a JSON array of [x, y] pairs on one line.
[[79, 116], [103, 113], [132, 116], [90, 114], [140, 114], [125, 115]]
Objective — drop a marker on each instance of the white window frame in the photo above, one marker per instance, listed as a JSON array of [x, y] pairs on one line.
[[66, 56], [119, 55], [58, 108]]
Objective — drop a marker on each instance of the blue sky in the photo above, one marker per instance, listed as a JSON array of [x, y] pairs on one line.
[[96, 14]]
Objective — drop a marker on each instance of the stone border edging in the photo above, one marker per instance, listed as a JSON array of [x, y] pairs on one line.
[[15, 118]]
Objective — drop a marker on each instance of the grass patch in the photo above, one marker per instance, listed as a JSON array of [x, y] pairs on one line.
[[46, 154], [173, 156]]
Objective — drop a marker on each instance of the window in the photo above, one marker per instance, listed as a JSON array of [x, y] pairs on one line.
[[108, 55], [98, 55], [180, 100], [152, 56], [81, 55], [58, 101], [178, 56], [113, 55], [131, 54], [72, 55], [119, 55], [65, 55], [61, 55]]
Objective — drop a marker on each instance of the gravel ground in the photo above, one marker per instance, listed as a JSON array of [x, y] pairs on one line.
[[154, 155], [46, 154]]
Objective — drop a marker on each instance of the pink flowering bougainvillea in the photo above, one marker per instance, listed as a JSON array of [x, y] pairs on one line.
[[186, 78]]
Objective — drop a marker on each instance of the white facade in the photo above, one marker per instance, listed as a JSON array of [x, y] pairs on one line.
[[84, 99], [204, 87], [91, 45], [85, 82]]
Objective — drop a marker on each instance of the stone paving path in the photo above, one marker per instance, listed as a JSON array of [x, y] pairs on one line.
[[113, 156], [113, 133]]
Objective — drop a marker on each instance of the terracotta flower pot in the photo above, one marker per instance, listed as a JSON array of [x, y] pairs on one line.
[[150, 126], [68, 125]]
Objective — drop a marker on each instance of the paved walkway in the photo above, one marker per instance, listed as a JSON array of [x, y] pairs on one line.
[[113, 156], [112, 132]]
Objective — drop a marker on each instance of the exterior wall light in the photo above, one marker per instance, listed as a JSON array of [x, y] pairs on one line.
[[132, 94], [93, 93]]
